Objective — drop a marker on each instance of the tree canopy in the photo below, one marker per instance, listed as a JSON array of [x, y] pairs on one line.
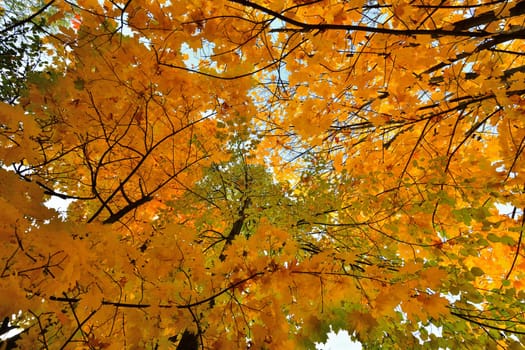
[[249, 174]]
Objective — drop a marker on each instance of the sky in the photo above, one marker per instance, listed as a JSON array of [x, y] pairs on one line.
[[339, 341]]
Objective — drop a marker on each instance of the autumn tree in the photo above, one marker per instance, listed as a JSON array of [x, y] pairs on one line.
[[248, 174]]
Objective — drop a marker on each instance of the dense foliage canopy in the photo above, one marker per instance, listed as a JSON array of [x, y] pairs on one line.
[[248, 174]]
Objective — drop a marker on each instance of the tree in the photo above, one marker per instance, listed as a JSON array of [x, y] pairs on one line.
[[247, 174], [22, 50]]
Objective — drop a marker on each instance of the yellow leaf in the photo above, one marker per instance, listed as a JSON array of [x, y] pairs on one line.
[[362, 323], [434, 305]]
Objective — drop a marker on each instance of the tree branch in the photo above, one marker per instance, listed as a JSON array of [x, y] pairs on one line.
[[346, 27], [164, 306], [469, 318], [27, 19]]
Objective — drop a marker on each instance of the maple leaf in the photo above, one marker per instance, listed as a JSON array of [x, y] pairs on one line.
[[362, 324], [434, 305], [260, 171]]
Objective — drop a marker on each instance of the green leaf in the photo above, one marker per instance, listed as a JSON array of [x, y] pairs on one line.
[[445, 198], [493, 238], [476, 271], [79, 84], [463, 215], [508, 240], [482, 242], [469, 276]]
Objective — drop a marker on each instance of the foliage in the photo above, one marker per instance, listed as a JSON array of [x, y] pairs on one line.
[[22, 51], [246, 174]]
